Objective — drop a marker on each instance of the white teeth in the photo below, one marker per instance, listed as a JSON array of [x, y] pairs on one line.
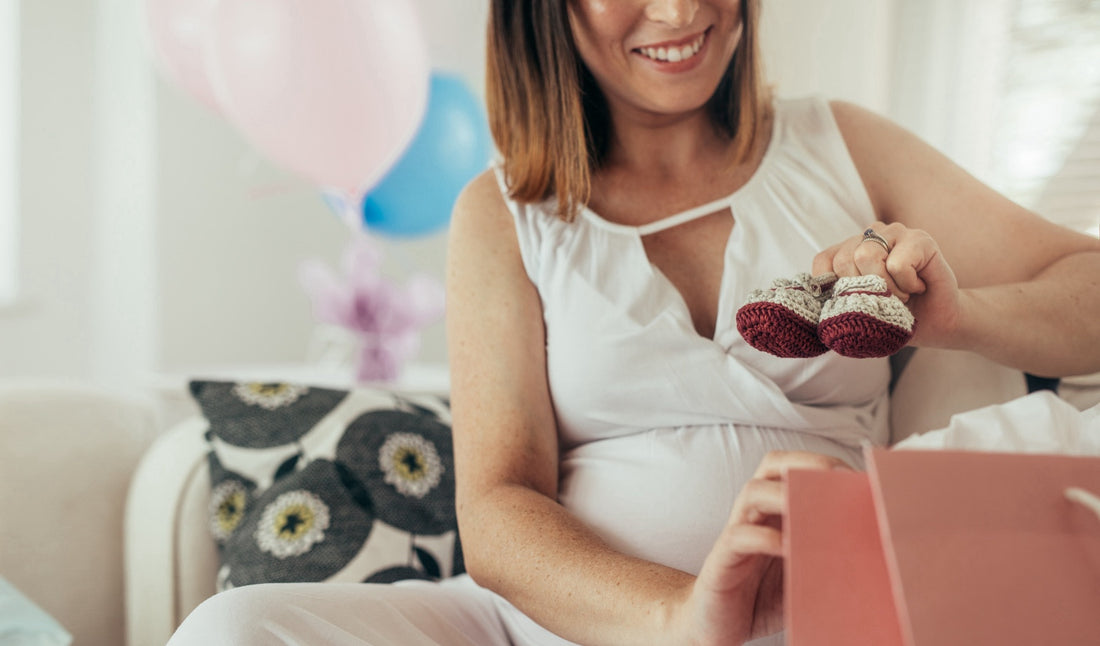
[[674, 54]]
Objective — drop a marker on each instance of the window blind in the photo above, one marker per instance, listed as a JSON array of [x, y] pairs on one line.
[[1046, 145]]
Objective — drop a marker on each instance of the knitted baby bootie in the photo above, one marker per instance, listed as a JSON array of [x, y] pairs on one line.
[[783, 320], [863, 319]]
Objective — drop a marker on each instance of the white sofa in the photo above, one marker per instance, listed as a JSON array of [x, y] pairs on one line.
[[68, 454]]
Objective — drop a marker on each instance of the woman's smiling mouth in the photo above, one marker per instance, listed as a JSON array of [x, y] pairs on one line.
[[674, 52]]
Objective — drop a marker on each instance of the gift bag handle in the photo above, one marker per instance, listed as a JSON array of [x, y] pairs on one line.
[[1088, 499]]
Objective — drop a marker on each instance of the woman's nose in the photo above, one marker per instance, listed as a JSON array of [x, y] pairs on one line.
[[675, 13]]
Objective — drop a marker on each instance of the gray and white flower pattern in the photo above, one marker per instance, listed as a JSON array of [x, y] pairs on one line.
[[380, 461], [269, 396], [292, 524], [411, 464], [228, 502]]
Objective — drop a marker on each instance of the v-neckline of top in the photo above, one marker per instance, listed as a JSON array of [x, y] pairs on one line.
[[692, 213], [637, 232]]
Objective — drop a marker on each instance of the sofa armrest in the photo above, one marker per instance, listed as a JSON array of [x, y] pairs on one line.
[[67, 454], [171, 560], [1083, 391], [936, 384]]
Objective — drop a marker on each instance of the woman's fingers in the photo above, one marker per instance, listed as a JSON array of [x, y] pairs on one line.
[[763, 499], [900, 258], [738, 592], [915, 271], [753, 539], [823, 262], [775, 464], [759, 500], [870, 257], [909, 261]]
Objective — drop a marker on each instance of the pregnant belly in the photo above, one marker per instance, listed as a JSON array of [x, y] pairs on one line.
[[664, 495]]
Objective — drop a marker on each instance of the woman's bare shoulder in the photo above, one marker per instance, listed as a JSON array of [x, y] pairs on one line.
[[482, 227], [855, 120], [481, 198]]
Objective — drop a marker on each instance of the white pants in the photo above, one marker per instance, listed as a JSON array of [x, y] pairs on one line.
[[455, 612]]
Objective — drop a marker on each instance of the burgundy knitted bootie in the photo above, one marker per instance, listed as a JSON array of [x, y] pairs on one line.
[[783, 320], [863, 319]]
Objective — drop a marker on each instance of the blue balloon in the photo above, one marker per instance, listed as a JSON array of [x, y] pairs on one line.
[[451, 147]]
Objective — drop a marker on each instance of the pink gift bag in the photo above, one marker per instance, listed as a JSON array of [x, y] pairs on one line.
[[944, 548]]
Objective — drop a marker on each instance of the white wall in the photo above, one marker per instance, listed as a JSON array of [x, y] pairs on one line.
[[46, 334], [841, 49], [155, 239]]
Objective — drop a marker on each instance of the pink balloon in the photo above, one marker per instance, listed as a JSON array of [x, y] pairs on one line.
[[177, 32], [334, 90]]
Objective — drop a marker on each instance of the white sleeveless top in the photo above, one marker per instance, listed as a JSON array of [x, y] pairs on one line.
[[660, 427]]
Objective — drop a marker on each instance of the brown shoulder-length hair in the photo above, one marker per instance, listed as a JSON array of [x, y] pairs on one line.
[[549, 118]]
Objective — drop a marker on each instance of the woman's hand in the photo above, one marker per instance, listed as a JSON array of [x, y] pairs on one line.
[[914, 269], [738, 595]]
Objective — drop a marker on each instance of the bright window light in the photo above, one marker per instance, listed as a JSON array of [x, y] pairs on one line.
[[1047, 149], [9, 149]]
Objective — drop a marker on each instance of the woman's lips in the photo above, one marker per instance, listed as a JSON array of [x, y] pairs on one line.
[[674, 52]]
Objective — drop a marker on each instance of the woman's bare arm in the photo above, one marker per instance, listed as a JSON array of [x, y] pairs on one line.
[[517, 539], [984, 273]]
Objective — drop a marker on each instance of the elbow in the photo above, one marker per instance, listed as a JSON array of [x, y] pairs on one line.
[[495, 543], [476, 554]]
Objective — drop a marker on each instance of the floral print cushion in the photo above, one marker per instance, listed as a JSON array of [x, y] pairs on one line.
[[318, 484]]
